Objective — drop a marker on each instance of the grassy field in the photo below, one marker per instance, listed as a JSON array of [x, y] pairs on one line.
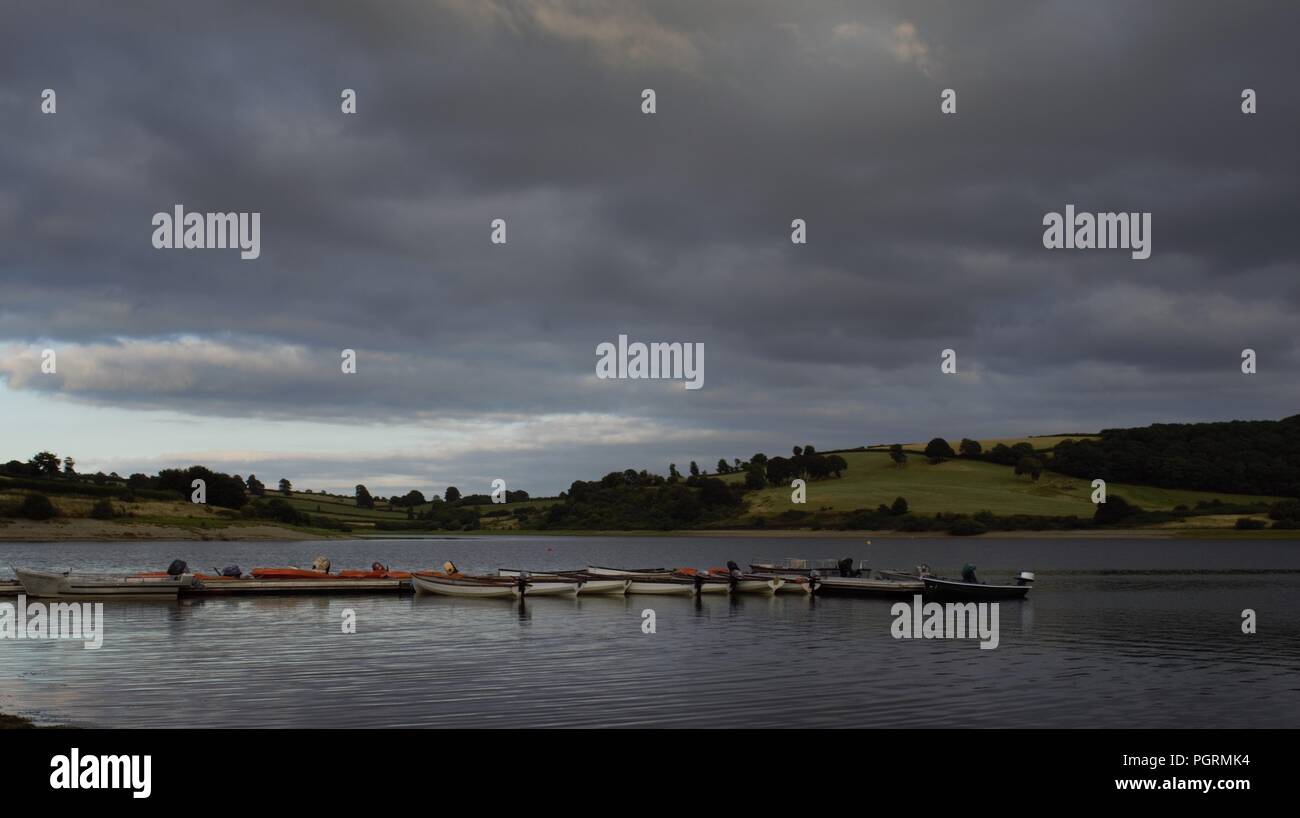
[[345, 510], [966, 487]]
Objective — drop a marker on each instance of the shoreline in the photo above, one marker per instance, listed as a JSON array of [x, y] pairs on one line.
[[96, 531]]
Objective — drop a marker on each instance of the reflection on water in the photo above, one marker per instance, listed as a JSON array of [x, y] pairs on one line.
[[1139, 633]]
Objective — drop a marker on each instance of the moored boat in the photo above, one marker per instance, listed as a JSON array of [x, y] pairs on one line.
[[965, 591], [705, 583], [51, 584], [865, 586], [749, 583], [602, 571], [431, 582], [588, 584]]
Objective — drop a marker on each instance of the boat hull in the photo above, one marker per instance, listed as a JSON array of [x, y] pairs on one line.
[[766, 587], [548, 587], [588, 584], [468, 588], [603, 587], [627, 572], [662, 588], [852, 586], [947, 589], [52, 585]]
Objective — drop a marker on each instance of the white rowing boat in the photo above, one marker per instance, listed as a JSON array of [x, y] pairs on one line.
[[50, 584], [588, 584], [601, 571], [428, 583], [662, 586]]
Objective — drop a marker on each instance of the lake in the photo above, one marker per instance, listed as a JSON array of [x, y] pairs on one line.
[[1116, 633]]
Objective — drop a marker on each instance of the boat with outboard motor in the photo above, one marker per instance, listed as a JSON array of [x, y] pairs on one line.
[[964, 590], [51, 584]]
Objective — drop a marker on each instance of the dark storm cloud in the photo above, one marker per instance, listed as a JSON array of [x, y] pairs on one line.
[[924, 230]]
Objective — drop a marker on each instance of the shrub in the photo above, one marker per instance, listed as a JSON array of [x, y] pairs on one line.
[[103, 509], [1249, 524], [36, 506], [966, 527]]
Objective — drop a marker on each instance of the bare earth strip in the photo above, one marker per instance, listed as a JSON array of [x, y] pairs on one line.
[[82, 529]]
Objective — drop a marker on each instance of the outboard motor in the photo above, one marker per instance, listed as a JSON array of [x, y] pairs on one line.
[[1025, 578], [968, 573], [378, 567], [177, 568], [321, 564], [846, 567], [733, 567], [232, 571]]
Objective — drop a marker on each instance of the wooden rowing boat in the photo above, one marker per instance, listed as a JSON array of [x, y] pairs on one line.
[[50, 584]]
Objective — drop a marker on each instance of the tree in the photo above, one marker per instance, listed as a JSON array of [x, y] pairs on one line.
[[754, 478], [452, 494], [1003, 455], [780, 470], [938, 449], [415, 497], [1031, 466], [1115, 508], [45, 463], [364, 500], [759, 459], [673, 474], [695, 470], [808, 451], [897, 455], [286, 488], [836, 464], [798, 451], [899, 508], [970, 448], [255, 486], [723, 466]]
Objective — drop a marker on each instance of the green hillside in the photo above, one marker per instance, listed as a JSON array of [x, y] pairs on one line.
[[965, 486]]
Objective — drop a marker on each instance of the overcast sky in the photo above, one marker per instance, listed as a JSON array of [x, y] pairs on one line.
[[477, 361]]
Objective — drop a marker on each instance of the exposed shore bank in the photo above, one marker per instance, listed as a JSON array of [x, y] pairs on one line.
[[80, 530]]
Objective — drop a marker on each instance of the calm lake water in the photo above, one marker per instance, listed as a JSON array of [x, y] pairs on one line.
[[1137, 633]]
